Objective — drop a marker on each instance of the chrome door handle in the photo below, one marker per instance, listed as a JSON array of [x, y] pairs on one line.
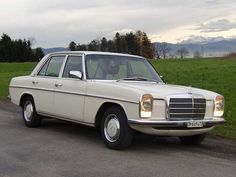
[[35, 82], [58, 85]]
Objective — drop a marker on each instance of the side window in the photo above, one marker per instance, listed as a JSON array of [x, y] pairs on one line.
[[52, 67], [73, 63], [92, 68]]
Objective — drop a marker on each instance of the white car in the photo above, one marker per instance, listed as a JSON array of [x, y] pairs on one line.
[[117, 93]]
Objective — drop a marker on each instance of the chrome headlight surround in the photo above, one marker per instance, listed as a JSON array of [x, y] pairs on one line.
[[145, 106], [218, 106]]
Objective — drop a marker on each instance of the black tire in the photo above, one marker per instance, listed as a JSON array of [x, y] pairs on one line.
[[193, 140], [32, 119], [124, 137]]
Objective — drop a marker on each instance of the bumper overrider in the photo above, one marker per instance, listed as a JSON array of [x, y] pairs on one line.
[[173, 128]]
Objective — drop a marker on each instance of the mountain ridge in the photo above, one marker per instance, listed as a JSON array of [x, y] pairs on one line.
[[211, 47]]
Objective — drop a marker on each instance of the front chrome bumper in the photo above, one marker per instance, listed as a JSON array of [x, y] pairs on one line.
[[173, 124]]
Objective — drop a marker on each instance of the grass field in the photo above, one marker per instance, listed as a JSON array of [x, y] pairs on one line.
[[9, 70], [218, 75]]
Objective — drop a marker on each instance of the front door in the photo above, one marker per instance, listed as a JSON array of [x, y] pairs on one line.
[[69, 92]]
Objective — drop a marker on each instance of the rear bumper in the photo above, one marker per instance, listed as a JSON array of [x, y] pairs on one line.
[[172, 128]]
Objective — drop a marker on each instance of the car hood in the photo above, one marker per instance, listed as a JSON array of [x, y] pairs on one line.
[[162, 90]]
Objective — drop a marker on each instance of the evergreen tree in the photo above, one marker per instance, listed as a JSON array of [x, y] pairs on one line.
[[72, 46], [118, 43], [94, 45], [17, 50], [38, 54], [111, 46], [104, 44], [132, 44], [82, 47], [137, 44]]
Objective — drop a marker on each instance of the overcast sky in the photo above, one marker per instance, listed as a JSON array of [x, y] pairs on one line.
[[57, 22]]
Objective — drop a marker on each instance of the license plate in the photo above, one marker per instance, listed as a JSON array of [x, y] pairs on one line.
[[192, 124]]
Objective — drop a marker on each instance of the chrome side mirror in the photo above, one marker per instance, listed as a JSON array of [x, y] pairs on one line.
[[162, 78], [75, 74]]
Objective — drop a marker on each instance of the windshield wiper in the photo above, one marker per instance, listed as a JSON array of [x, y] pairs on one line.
[[137, 79]]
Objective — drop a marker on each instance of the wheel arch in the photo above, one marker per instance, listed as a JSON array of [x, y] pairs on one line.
[[23, 96], [101, 110]]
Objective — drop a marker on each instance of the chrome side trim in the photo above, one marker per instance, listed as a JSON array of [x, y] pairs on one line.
[[66, 119], [181, 123], [75, 93]]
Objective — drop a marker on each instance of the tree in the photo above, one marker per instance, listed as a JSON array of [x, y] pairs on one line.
[[104, 44], [139, 40], [82, 47], [72, 46], [16, 50], [162, 50], [111, 46], [147, 48], [6, 48], [165, 50], [196, 54], [38, 54], [118, 43], [182, 52], [132, 44], [94, 45]]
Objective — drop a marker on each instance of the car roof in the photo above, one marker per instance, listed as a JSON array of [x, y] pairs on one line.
[[93, 53], [81, 53]]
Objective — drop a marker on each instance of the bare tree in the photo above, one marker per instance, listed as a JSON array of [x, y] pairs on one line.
[[196, 54], [158, 50], [165, 49], [162, 50], [182, 52], [32, 41]]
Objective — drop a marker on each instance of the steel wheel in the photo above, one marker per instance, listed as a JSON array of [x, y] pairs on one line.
[[112, 128], [28, 111], [115, 130], [30, 116]]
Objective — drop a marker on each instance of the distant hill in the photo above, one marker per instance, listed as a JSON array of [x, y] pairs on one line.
[[210, 47], [56, 49]]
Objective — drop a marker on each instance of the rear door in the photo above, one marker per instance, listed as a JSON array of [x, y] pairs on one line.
[[44, 84], [70, 92]]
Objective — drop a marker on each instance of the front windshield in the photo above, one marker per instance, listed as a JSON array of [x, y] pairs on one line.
[[112, 67]]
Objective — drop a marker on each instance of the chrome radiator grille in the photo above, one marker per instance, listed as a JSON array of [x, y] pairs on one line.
[[187, 108]]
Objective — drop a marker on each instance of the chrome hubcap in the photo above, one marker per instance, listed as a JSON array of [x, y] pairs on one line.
[[112, 128], [28, 111]]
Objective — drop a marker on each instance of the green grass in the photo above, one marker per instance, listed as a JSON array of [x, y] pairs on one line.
[[9, 70], [218, 75]]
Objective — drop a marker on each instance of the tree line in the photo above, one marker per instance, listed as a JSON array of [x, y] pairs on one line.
[[136, 43], [18, 50], [163, 51]]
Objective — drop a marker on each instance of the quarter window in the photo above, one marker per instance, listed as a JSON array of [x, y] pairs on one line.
[[52, 67]]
